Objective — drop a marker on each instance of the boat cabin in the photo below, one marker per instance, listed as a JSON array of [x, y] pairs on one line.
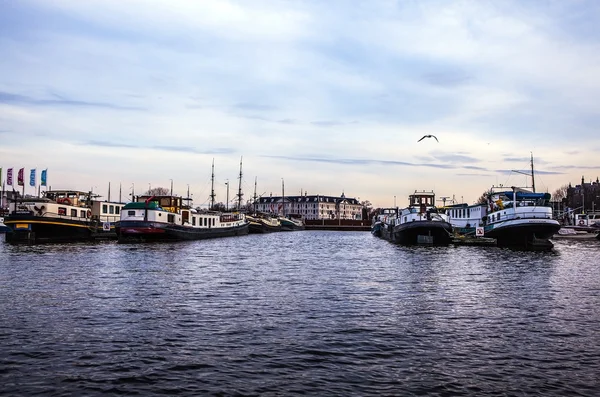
[[422, 200]]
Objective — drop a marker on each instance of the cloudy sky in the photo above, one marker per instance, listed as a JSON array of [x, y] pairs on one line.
[[328, 96]]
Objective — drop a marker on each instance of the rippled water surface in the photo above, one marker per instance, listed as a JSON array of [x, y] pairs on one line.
[[314, 313]]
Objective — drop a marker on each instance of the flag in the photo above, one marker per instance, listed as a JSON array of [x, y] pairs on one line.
[[9, 177], [20, 177], [32, 178], [43, 177]]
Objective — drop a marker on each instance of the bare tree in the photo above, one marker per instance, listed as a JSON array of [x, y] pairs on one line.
[[219, 207], [560, 193], [158, 191]]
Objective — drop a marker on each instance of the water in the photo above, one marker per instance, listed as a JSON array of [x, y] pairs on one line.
[[312, 313]]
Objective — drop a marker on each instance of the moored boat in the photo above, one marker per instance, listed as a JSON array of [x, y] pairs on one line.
[[419, 223], [517, 218], [61, 216], [263, 223], [291, 223], [165, 218]]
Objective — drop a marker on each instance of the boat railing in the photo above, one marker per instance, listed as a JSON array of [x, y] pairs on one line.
[[510, 215]]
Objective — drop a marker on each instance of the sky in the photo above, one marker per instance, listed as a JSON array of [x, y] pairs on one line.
[[323, 97]]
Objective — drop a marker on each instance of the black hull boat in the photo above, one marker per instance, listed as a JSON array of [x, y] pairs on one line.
[[518, 218], [419, 233], [29, 229], [524, 235], [61, 216], [156, 231], [164, 218], [418, 224], [260, 224]]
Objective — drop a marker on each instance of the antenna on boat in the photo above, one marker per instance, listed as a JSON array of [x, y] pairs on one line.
[[108, 191], [282, 198], [525, 173], [240, 194], [212, 186]]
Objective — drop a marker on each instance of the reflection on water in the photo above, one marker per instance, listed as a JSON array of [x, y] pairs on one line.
[[318, 313]]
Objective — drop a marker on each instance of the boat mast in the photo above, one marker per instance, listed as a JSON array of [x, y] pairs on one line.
[[282, 198], [532, 177], [212, 186], [240, 194], [254, 194]]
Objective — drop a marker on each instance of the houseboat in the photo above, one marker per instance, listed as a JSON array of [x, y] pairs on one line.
[[515, 218], [166, 218], [419, 223], [60, 216]]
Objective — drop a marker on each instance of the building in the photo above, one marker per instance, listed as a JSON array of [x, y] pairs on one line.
[[312, 206], [584, 197]]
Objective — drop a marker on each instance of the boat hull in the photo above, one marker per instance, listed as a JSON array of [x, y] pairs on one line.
[[419, 233], [291, 226], [525, 233], [145, 231], [259, 227], [31, 229]]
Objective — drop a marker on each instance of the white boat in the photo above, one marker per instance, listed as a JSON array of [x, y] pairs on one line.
[[164, 218], [419, 223], [515, 217], [61, 216]]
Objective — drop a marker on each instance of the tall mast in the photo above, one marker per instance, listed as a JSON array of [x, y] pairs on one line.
[[120, 192], [532, 176], [108, 191], [240, 194], [282, 197], [254, 194], [212, 186]]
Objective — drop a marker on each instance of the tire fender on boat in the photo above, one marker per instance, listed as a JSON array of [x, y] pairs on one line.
[[581, 222], [89, 213]]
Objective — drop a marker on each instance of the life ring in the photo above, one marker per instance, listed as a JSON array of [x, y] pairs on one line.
[[89, 213], [581, 222], [66, 201]]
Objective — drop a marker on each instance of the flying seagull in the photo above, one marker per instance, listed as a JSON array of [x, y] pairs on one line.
[[428, 136]]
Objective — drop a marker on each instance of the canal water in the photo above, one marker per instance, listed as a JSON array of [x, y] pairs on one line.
[[301, 313]]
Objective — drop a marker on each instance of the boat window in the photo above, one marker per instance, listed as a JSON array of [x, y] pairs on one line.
[[131, 213], [193, 221], [468, 212], [171, 218], [104, 208], [205, 221], [111, 209], [82, 214], [73, 212], [117, 209], [62, 211]]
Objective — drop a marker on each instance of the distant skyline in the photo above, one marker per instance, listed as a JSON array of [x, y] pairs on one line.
[[329, 97]]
